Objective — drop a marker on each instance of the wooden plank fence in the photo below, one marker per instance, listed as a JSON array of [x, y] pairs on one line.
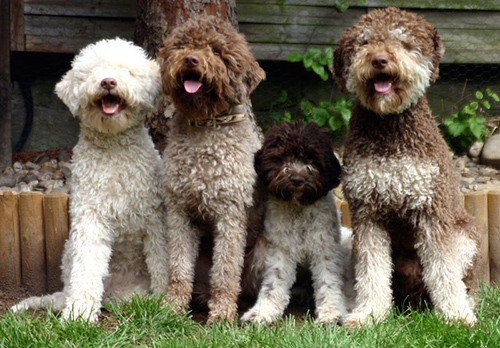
[[34, 228]]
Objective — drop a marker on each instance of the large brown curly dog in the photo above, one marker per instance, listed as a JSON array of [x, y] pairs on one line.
[[397, 172], [209, 175]]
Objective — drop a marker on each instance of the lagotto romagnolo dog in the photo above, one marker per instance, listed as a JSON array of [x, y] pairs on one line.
[[398, 176], [209, 72], [298, 167], [117, 243]]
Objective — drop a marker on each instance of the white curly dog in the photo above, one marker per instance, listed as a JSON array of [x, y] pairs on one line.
[[117, 243]]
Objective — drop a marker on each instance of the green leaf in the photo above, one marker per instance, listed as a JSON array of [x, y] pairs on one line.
[[329, 55], [486, 104], [320, 116], [448, 121], [479, 95], [308, 62], [341, 5], [294, 57], [305, 105], [495, 97], [480, 120], [334, 123], [346, 115], [314, 53], [319, 70], [477, 130], [456, 129], [287, 116]]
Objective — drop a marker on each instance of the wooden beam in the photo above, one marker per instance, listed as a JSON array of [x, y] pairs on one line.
[[81, 8], [10, 249], [17, 25], [476, 203], [485, 5], [5, 117], [32, 242], [494, 235], [56, 222]]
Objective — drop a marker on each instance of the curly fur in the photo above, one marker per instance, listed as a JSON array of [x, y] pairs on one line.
[[226, 68], [297, 165], [117, 243], [398, 176], [209, 172]]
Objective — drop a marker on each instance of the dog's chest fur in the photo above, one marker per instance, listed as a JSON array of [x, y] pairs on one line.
[[121, 182], [302, 230], [393, 162], [204, 165], [391, 181]]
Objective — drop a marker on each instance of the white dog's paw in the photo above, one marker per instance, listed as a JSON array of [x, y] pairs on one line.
[[20, 307], [465, 316], [259, 316], [332, 318], [81, 310], [357, 319]]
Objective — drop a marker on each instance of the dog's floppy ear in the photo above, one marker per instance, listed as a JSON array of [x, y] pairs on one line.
[[333, 172], [163, 55], [257, 164], [67, 91], [338, 67], [254, 75], [437, 54]]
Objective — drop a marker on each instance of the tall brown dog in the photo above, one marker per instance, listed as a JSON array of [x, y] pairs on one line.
[[209, 174], [398, 176]]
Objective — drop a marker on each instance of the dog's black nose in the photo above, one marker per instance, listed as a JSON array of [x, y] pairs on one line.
[[108, 83], [297, 180], [380, 61], [192, 61]]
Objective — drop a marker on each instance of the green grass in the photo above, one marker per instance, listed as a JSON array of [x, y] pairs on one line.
[[144, 323]]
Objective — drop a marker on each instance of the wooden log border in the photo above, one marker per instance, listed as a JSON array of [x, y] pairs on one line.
[[34, 228]]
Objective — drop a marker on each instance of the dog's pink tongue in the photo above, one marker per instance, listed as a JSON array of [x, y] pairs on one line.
[[383, 86], [192, 86], [110, 106]]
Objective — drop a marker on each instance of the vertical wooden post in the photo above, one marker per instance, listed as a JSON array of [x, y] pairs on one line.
[[346, 215], [10, 251], [494, 235], [32, 242], [56, 222], [476, 203], [17, 25], [5, 117]]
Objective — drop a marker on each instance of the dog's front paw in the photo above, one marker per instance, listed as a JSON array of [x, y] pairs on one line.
[[20, 307], [465, 316], [176, 303], [259, 316], [357, 319], [81, 310], [332, 318], [221, 313]]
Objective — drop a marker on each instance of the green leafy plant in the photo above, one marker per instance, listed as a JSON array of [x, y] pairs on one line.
[[468, 125], [314, 59], [329, 115], [278, 108]]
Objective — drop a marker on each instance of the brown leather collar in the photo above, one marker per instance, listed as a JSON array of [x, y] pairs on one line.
[[235, 114]]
